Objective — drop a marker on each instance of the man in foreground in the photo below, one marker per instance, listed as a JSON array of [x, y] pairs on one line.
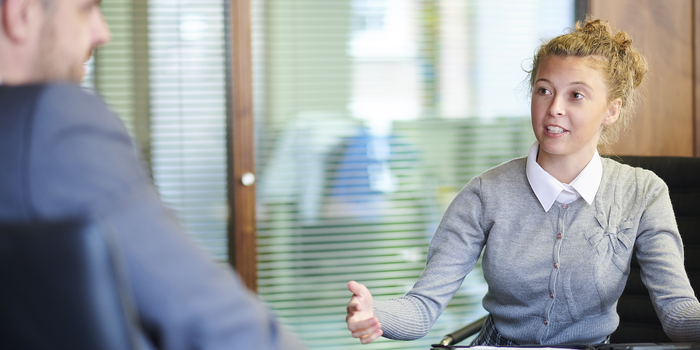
[[65, 155]]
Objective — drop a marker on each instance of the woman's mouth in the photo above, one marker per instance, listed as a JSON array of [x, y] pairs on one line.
[[555, 129]]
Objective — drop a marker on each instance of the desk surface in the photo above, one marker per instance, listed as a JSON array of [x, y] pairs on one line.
[[626, 346]]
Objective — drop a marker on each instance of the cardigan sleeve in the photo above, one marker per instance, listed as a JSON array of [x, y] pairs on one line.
[[453, 253], [659, 250]]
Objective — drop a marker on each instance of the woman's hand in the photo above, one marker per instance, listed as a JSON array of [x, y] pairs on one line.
[[360, 317]]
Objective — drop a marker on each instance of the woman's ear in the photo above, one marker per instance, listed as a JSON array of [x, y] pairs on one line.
[[613, 112]]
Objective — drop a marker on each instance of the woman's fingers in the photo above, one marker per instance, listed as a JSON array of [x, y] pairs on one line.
[[372, 337], [363, 325], [367, 330], [357, 288], [360, 316], [361, 299], [353, 306]]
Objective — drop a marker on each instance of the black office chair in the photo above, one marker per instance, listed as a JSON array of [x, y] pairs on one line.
[[62, 287], [638, 320]]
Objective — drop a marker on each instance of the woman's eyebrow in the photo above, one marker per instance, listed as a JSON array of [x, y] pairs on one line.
[[572, 83], [581, 83]]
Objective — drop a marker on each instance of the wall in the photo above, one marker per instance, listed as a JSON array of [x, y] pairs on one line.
[[663, 31]]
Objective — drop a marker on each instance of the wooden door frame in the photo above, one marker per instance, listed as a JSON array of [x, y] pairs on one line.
[[242, 243], [696, 76]]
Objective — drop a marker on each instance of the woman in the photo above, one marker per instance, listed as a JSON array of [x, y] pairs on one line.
[[558, 227]]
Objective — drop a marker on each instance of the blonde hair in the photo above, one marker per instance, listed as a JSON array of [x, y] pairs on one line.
[[621, 65]]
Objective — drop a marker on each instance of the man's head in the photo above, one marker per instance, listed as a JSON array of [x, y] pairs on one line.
[[48, 40]]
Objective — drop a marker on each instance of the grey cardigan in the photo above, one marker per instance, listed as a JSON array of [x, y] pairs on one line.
[[554, 277]]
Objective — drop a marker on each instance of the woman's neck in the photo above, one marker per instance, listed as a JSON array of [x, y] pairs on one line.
[[564, 168]]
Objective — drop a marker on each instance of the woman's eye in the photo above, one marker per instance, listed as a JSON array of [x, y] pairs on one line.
[[577, 95], [542, 91]]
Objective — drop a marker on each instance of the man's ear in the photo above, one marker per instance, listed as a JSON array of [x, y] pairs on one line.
[[613, 112], [19, 18]]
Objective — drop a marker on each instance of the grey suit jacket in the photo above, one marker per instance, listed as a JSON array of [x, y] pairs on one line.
[[64, 154]]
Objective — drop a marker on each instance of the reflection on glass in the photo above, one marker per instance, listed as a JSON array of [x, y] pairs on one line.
[[188, 116], [371, 115]]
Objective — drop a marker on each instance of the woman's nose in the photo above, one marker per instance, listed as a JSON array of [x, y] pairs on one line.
[[556, 108]]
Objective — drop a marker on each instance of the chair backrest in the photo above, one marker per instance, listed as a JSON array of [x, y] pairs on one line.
[[638, 320], [62, 287]]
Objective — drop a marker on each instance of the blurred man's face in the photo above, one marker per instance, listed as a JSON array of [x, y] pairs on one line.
[[73, 28]]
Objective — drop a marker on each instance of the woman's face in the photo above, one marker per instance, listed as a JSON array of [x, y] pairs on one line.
[[569, 109]]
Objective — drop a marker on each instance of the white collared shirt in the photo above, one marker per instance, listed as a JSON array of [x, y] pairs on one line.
[[548, 189]]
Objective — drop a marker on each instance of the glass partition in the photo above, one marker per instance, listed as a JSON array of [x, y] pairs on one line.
[[371, 115]]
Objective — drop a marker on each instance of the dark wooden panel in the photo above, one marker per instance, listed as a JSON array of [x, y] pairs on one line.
[[242, 229], [696, 72], [663, 32]]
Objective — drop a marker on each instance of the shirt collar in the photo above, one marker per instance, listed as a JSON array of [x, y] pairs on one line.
[[547, 188]]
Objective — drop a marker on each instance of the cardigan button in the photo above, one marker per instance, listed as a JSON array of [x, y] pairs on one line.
[[551, 295], [545, 322], [565, 206], [559, 236], [556, 265]]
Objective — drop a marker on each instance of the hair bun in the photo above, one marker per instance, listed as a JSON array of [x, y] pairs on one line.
[[595, 27], [623, 41], [602, 30]]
